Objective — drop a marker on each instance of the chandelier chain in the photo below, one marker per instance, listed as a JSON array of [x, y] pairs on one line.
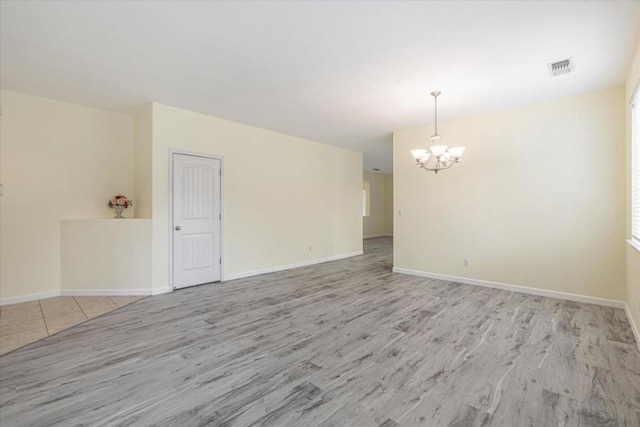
[[436, 102]]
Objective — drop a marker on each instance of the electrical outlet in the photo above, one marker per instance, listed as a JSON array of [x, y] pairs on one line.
[[466, 262], [310, 248], [399, 212]]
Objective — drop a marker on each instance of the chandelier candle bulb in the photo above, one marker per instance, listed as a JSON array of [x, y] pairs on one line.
[[456, 152], [438, 150], [418, 154]]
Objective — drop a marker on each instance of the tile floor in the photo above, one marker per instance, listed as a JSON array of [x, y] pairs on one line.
[[21, 324]]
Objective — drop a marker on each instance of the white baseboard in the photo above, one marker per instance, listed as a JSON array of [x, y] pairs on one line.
[[378, 235], [79, 293], [228, 277], [533, 291], [515, 288], [30, 297], [104, 292], [160, 291], [636, 333]]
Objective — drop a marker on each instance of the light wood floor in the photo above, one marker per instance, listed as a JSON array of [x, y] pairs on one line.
[[24, 323], [346, 343]]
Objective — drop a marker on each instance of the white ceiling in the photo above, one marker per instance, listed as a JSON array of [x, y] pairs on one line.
[[341, 73]]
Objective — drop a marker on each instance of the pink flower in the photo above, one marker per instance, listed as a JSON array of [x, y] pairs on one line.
[[119, 200]]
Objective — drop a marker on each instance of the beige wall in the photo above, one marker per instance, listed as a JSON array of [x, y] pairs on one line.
[[57, 161], [286, 200], [538, 200], [107, 256], [633, 254], [281, 194], [142, 156], [381, 195]]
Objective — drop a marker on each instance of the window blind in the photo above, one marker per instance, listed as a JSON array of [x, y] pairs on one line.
[[635, 166]]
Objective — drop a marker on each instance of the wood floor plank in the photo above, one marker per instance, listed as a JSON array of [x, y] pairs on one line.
[[345, 343]]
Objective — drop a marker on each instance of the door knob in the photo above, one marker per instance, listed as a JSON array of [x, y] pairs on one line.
[[178, 228]]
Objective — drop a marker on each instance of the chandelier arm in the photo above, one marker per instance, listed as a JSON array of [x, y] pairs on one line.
[[450, 164], [436, 169]]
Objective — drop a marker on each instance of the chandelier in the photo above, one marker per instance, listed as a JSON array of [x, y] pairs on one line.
[[438, 157]]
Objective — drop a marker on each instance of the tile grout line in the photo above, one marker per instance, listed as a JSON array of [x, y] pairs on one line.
[[44, 320], [80, 307]]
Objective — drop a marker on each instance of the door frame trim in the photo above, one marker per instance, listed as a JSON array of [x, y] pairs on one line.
[[173, 151]]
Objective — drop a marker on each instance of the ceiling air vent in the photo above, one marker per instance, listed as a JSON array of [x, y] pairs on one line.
[[561, 67]]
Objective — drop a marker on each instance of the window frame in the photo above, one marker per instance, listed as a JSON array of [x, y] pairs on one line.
[[634, 165], [366, 198]]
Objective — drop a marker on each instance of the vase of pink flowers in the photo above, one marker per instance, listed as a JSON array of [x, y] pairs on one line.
[[119, 203]]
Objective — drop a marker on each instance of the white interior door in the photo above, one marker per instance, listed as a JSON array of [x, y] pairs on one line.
[[196, 220]]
